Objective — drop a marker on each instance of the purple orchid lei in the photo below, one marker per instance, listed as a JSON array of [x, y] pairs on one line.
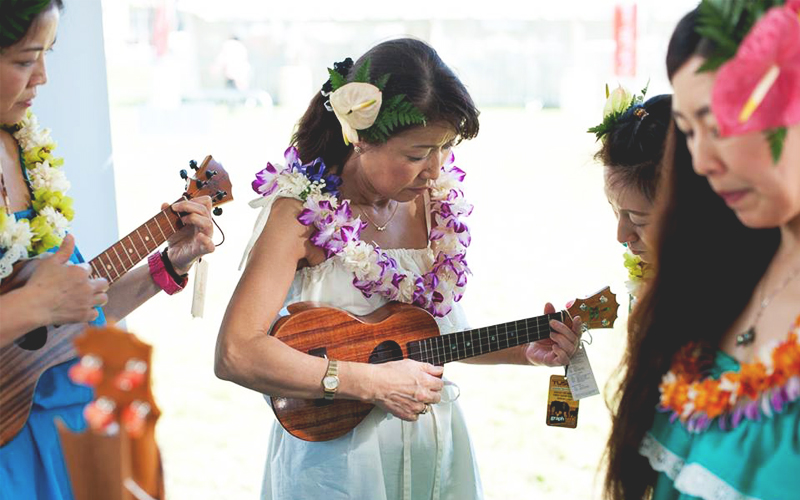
[[338, 233]]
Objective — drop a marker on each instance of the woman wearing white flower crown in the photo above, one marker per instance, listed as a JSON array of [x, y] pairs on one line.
[[372, 163], [34, 219], [636, 134]]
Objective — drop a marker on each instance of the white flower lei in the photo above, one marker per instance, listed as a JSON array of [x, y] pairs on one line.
[[25, 238], [338, 233]]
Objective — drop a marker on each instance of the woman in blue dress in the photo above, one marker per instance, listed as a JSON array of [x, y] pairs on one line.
[[709, 405], [34, 216]]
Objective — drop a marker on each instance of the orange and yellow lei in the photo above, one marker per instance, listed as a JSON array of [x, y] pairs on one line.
[[761, 388]]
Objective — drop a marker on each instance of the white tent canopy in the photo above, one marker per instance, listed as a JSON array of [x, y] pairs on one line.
[[259, 10]]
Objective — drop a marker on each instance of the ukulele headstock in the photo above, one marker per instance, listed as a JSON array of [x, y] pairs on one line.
[[209, 179], [117, 365], [597, 311]]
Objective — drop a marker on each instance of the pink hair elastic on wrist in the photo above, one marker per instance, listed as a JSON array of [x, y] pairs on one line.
[[161, 277]]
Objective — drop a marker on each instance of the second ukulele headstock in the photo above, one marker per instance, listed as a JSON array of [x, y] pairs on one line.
[[117, 365], [597, 311]]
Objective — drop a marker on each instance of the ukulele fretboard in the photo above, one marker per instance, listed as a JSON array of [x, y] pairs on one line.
[[123, 255], [470, 343]]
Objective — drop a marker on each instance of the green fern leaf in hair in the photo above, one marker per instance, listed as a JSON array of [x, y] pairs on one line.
[[337, 79], [776, 138], [362, 75], [382, 81]]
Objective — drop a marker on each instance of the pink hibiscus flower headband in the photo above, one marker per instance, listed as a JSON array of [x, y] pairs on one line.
[[757, 87]]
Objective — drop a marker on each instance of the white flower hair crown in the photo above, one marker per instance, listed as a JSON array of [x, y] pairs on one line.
[[359, 104], [619, 102]]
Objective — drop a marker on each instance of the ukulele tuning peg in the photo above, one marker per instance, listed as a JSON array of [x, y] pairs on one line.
[[99, 414], [193, 164], [133, 376], [184, 174], [199, 184], [87, 371], [217, 211], [134, 416], [210, 173]]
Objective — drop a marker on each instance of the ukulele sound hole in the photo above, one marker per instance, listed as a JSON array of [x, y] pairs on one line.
[[385, 352], [33, 340]]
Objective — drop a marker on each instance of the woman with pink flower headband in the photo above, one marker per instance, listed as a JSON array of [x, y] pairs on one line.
[[368, 207], [709, 405]]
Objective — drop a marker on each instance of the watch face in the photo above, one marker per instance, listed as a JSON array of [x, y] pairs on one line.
[[330, 383]]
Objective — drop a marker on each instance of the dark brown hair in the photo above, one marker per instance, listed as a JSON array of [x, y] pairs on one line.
[[708, 264], [633, 149], [416, 71]]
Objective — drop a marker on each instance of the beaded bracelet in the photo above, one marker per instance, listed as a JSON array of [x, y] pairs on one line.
[[163, 273]]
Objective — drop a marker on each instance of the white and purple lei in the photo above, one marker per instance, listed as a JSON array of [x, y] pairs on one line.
[[337, 232]]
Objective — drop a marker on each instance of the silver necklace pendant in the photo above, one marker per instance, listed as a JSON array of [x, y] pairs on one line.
[[380, 228], [746, 338]]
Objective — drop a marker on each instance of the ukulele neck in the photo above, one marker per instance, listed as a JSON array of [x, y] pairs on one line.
[[443, 349], [123, 255]]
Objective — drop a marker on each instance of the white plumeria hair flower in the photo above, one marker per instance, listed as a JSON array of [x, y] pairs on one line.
[[356, 106], [359, 105]]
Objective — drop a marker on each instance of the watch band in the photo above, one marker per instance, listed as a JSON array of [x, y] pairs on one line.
[[333, 371]]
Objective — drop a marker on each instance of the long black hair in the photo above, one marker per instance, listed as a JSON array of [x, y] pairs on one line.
[[416, 71], [708, 264]]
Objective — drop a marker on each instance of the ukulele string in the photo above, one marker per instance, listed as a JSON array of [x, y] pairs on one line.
[[220, 231], [441, 351]]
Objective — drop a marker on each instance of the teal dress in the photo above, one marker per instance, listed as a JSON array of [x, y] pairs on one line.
[[758, 459], [31, 464]]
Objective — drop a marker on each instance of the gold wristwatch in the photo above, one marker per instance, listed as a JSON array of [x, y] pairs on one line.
[[330, 382]]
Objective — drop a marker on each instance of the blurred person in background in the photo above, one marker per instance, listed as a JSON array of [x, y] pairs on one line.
[[233, 62]]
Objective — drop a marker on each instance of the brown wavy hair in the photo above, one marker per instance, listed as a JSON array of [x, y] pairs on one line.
[[708, 264], [416, 71]]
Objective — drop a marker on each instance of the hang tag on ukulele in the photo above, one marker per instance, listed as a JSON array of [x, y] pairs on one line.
[[199, 291], [580, 375], [562, 410]]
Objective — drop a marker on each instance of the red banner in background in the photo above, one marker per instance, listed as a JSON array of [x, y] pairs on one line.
[[625, 38], [161, 30]]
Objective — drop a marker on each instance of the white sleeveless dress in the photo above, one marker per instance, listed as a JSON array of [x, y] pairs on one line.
[[383, 458]]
